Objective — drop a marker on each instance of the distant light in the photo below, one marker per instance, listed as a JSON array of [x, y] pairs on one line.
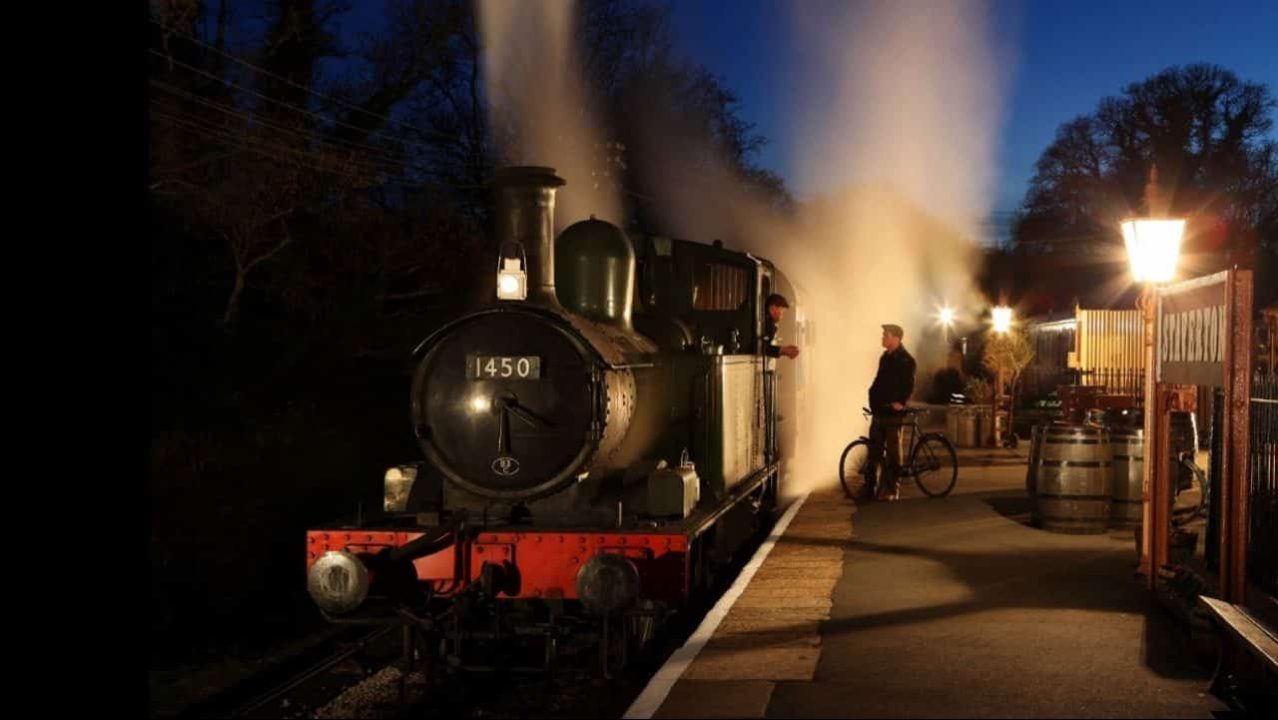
[[479, 404], [1153, 246], [947, 316], [1002, 318]]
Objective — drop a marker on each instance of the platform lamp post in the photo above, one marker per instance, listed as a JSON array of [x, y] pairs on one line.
[[1002, 319], [1153, 247]]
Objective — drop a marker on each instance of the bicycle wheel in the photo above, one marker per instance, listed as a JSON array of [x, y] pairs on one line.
[[934, 465], [1181, 516], [853, 466]]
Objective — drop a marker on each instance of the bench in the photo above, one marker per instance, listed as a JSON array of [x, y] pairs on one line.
[[1247, 672]]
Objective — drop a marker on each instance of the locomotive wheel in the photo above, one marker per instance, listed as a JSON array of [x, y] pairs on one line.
[[703, 578], [768, 507]]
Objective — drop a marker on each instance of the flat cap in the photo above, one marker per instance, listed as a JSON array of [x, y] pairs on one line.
[[895, 330]]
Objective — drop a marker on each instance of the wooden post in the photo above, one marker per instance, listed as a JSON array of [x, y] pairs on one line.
[[1148, 518], [1161, 497], [1237, 437], [998, 404]]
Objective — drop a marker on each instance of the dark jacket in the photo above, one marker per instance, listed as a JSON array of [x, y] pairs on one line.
[[769, 332], [894, 383]]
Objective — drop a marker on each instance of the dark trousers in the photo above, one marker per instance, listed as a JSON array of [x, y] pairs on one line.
[[885, 431], [770, 402]]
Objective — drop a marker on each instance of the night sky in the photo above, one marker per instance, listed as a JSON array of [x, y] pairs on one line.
[[1067, 56], [1064, 57]]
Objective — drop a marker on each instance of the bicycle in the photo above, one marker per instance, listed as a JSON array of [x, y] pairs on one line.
[[1183, 516], [932, 461]]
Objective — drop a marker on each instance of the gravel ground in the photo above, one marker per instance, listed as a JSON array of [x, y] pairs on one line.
[[378, 696]]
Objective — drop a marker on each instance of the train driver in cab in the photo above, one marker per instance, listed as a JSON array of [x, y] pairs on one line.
[[777, 305]]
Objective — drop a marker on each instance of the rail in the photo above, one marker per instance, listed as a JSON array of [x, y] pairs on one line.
[[276, 685]]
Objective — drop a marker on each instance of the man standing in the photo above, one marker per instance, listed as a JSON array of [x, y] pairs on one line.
[[891, 389]]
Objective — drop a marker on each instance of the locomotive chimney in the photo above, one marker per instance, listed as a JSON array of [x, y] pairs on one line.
[[526, 213]]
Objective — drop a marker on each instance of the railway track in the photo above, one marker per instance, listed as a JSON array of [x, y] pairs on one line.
[[299, 685]]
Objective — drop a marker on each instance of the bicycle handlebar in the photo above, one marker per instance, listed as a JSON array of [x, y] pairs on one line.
[[907, 411]]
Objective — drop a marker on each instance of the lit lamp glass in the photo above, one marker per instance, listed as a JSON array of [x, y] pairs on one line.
[[512, 281], [947, 316], [1152, 248]]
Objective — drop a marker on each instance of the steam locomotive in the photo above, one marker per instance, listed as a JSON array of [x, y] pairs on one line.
[[599, 442]]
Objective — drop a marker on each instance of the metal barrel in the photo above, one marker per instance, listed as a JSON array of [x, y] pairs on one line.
[[1127, 446], [1031, 469], [968, 429], [1073, 490]]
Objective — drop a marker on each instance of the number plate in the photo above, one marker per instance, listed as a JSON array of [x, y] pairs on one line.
[[503, 367]]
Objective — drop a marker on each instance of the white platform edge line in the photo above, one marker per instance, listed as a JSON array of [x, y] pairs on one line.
[[664, 680]]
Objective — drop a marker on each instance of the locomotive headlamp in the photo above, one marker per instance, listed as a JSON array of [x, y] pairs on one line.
[[512, 276], [338, 582], [512, 282]]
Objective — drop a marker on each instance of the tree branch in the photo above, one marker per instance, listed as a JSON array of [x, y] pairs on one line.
[[426, 292], [172, 181], [288, 240]]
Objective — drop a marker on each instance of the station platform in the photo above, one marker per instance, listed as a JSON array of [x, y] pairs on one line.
[[951, 607]]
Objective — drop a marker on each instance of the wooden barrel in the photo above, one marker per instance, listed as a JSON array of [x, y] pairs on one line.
[[1075, 474], [1035, 448], [1124, 417], [1127, 446]]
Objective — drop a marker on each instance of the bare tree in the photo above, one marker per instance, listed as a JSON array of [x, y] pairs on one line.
[[1205, 129], [1008, 354]]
